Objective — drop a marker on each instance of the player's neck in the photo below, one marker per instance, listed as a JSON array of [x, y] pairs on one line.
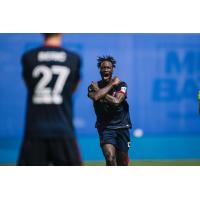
[[53, 42], [106, 82]]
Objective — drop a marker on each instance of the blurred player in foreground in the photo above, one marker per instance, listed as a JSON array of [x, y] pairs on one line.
[[112, 111], [51, 74]]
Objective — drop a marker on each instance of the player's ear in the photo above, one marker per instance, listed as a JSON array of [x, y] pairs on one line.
[[113, 69]]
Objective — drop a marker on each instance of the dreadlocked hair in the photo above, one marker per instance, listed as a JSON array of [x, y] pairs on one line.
[[105, 58]]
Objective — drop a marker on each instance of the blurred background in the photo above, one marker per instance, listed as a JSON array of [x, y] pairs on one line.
[[163, 75]]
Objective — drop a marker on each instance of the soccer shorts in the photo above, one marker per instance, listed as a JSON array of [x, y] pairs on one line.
[[120, 138], [54, 151]]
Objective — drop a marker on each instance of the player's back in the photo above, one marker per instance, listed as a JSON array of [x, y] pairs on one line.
[[50, 74]]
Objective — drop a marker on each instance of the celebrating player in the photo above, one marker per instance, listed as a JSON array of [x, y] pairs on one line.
[[51, 74], [112, 111]]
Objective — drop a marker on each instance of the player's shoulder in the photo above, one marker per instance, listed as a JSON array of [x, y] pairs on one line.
[[29, 55], [72, 54], [123, 84], [122, 87], [30, 52]]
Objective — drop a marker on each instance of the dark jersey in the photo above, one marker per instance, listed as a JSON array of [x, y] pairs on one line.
[[111, 116], [50, 74]]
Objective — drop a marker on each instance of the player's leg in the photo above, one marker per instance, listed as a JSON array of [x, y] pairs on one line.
[[109, 152], [65, 152], [122, 158], [123, 143], [33, 153], [108, 145]]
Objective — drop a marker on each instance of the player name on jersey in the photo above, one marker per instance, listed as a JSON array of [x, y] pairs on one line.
[[52, 56]]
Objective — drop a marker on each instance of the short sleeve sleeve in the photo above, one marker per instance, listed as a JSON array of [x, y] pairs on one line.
[[122, 88]]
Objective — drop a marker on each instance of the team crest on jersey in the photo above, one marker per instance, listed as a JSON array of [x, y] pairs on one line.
[[123, 89]]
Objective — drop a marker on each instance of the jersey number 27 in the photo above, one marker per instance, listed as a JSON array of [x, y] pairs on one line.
[[47, 95]]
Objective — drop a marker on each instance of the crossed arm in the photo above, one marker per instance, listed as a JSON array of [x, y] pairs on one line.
[[102, 94]]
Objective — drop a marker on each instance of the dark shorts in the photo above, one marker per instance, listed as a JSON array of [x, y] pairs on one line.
[[42, 152], [120, 138]]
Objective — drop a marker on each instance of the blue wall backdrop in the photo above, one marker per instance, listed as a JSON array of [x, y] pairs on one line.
[[163, 75]]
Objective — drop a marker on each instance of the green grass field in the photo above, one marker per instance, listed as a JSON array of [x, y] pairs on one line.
[[139, 163], [152, 163]]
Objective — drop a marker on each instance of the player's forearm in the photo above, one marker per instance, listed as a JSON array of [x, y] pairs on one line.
[[101, 93], [114, 100], [111, 99]]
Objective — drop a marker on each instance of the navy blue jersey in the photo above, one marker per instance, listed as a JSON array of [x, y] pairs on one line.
[[111, 116], [50, 74]]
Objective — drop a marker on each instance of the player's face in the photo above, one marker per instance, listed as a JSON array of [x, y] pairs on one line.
[[106, 70]]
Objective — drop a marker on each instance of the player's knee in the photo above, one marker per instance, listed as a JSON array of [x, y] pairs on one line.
[[110, 157], [123, 162], [122, 159]]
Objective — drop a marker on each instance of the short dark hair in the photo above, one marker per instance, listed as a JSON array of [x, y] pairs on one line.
[[46, 35], [105, 58]]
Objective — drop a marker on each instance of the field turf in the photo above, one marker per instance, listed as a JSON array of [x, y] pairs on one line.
[[152, 163]]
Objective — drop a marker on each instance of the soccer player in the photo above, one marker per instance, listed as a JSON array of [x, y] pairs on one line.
[[51, 74], [112, 111]]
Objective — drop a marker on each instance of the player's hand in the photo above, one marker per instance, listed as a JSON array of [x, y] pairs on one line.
[[103, 100], [115, 81], [94, 86]]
